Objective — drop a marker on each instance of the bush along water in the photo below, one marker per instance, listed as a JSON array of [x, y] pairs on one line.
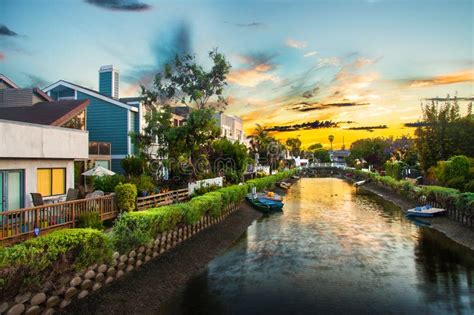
[[449, 198], [33, 262]]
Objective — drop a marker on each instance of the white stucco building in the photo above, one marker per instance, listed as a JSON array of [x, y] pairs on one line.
[[37, 158], [231, 126]]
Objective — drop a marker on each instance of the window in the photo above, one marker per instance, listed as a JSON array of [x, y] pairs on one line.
[[51, 181], [103, 163]]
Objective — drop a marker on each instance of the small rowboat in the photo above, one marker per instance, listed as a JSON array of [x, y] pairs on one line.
[[259, 205], [360, 183], [264, 204], [283, 185], [425, 211]]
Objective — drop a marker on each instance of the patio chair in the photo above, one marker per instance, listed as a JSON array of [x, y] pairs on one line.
[[37, 199], [97, 193], [72, 194]]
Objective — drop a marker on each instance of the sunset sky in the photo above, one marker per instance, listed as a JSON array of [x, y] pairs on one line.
[[357, 63]]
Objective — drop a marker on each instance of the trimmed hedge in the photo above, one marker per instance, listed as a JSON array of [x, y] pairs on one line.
[[31, 263]]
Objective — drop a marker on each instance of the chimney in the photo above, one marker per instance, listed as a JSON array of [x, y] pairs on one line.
[[109, 81]]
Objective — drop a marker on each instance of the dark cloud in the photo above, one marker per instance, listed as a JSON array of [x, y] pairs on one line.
[[311, 93], [120, 5], [253, 24], [5, 31], [311, 106], [369, 128], [253, 60], [345, 104], [246, 25], [36, 81], [416, 124], [166, 46], [317, 124]]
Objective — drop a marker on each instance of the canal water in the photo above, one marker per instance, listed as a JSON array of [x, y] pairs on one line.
[[334, 251]]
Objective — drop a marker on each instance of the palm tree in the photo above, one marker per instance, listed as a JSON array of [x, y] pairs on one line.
[[331, 139]]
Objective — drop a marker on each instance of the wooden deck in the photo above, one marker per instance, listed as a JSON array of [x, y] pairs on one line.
[[18, 225]]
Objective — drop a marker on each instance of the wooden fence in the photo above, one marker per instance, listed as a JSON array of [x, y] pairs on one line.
[[162, 199], [17, 225]]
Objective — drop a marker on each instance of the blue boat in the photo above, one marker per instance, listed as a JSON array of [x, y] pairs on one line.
[[273, 204], [425, 212]]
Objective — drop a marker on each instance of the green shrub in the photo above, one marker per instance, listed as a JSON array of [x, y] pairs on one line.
[[144, 184], [394, 169], [465, 203], [204, 190], [31, 263], [457, 183], [90, 220], [133, 166], [126, 196], [137, 228], [108, 183], [469, 186]]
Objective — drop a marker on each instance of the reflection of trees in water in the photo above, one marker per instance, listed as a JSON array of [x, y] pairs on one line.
[[444, 267]]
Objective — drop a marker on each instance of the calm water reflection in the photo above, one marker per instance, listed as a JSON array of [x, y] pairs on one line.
[[333, 251]]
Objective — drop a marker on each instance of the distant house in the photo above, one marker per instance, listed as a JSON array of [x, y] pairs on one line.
[[231, 127], [40, 141], [338, 157], [109, 118]]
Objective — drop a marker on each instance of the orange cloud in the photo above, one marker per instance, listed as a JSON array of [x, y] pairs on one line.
[[250, 77], [458, 77], [256, 71]]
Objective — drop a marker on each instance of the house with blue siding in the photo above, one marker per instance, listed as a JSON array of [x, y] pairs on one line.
[[108, 118]]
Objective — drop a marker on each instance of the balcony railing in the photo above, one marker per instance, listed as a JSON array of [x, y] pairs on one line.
[[17, 225], [162, 199], [100, 148]]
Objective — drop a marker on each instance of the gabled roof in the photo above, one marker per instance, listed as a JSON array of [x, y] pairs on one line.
[[42, 94], [8, 82], [45, 113], [90, 92]]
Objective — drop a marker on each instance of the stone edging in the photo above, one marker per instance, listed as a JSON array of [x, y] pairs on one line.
[[95, 277]]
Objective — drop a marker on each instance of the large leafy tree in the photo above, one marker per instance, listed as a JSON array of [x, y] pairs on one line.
[[270, 151], [444, 133], [375, 151], [294, 144], [184, 149], [187, 83], [230, 158]]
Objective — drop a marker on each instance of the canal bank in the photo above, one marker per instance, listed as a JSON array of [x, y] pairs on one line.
[[452, 229], [144, 290]]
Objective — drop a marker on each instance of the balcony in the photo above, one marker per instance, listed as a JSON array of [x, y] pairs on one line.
[[100, 149]]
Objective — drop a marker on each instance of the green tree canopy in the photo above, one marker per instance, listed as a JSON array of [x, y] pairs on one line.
[[294, 144], [186, 83], [444, 133]]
